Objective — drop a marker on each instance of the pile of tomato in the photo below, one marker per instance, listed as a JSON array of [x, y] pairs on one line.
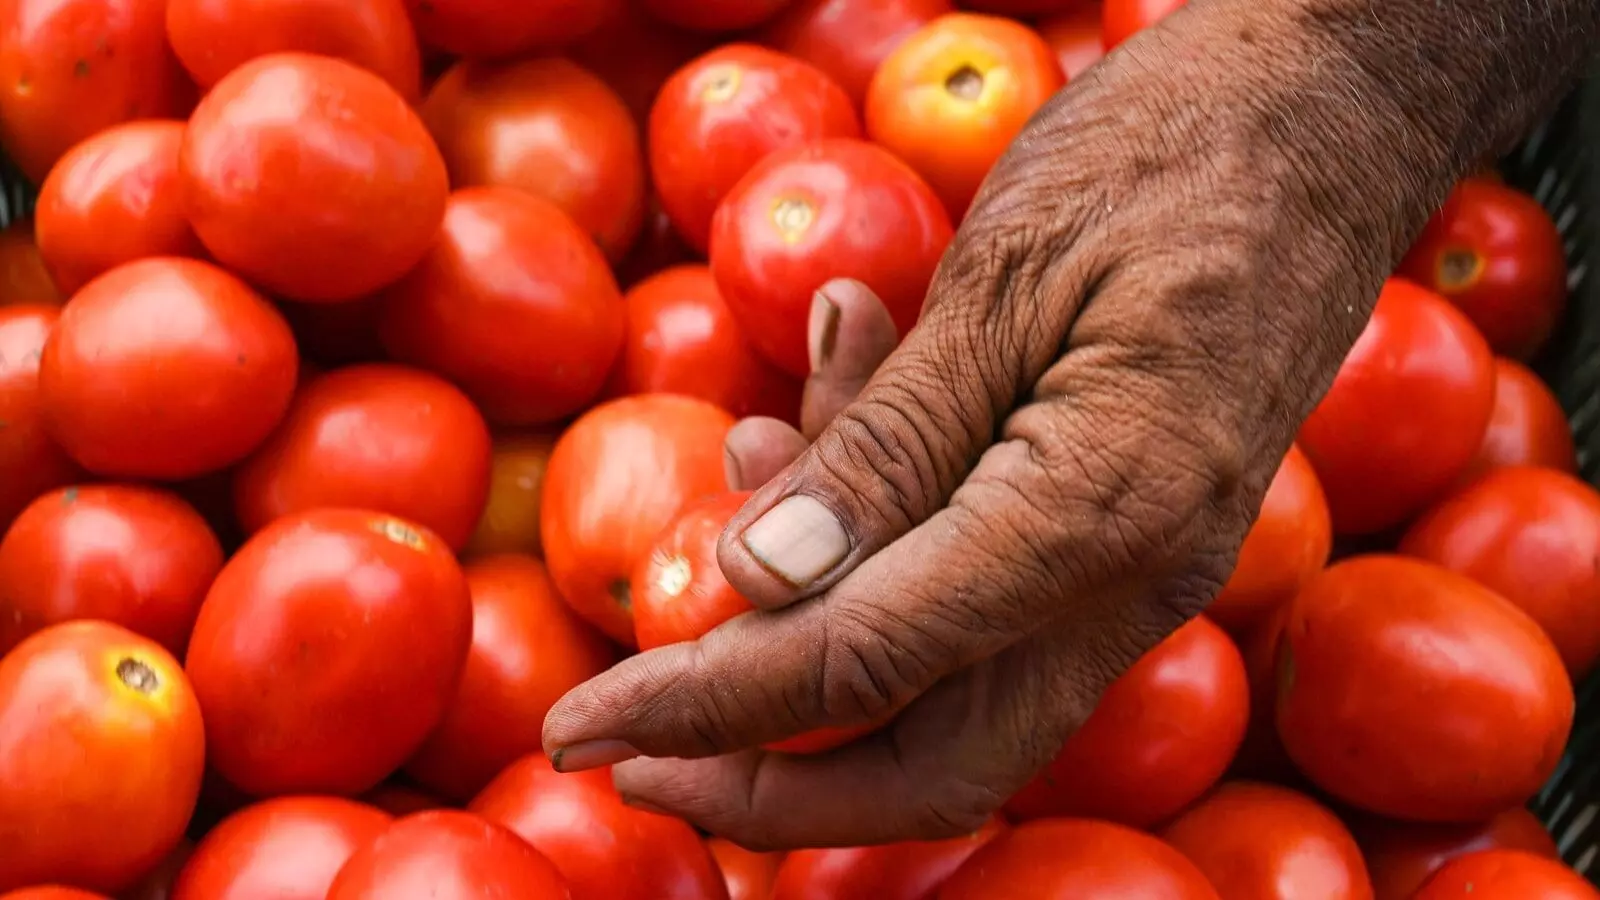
[[364, 372]]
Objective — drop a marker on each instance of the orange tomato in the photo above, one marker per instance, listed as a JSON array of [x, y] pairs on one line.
[[1506, 875], [24, 280], [30, 461], [678, 593], [1528, 427], [848, 39], [1401, 856], [510, 521], [289, 848]]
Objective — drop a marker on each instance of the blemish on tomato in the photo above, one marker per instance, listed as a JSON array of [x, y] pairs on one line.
[[138, 675], [80, 69], [1459, 268]]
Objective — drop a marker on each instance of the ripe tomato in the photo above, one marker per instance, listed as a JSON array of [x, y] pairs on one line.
[[30, 462], [1288, 544], [605, 849], [135, 556], [447, 855], [1122, 19], [749, 875], [510, 522], [166, 369], [1506, 875], [528, 649], [1530, 535], [1494, 252], [1410, 691], [287, 849], [379, 437], [636, 54], [682, 339], [836, 208], [678, 592], [23, 276], [1075, 36], [504, 28], [1264, 842], [310, 657], [101, 750], [714, 15], [618, 476], [1406, 413], [400, 800], [1068, 859], [1402, 855], [912, 870], [550, 128], [724, 112], [514, 303], [848, 39], [51, 892], [1528, 427], [290, 160], [951, 98]]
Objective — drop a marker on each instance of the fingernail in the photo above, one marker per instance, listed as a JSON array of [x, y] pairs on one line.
[[591, 755], [821, 330], [643, 805], [798, 540]]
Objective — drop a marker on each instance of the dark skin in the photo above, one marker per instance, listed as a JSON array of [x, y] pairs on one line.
[[1057, 467]]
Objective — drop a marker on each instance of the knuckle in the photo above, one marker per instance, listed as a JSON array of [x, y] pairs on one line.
[[889, 454], [868, 673], [957, 807]]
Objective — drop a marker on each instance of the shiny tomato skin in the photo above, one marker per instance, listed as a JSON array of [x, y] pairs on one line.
[[447, 855], [725, 111], [24, 279], [510, 521], [94, 718], [714, 15], [130, 394], [848, 39], [31, 463], [1288, 545], [381, 437], [1506, 875], [1122, 19], [1530, 535], [1162, 735], [138, 557], [1076, 859], [748, 874], [1406, 413], [1401, 856], [288, 162], [1495, 253], [289, 848], [678, 591], [951, 98], [551, 128], [829, 209], [1075, 36], [1528, 427], [514, 303], [605, 849], [1263, 842], [497, 29], [910, 870], [1410, 691], [618, 476], [635, 54], [364, 622]]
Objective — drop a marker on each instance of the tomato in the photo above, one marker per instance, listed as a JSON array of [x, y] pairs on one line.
[[51, 892], [291, 159], [447, 855], [505, 28], [30, 462], [1528, 427], [1406, 413], [714, 15], [1075, 36], [158, 883], [400, 800], [510, 522], [23, 276], [1402, 855], [837, 208], [911, 870], [1076, 859], [1262, 842], [1288, 544], [1530, 535], [1161, 736], [848, 39], [287, 849], [1495, 253], [724, 112], [167, 369], [136, 556], [550, 128], [678, 592], [636, 54], [1506, 875], [326, 651], [605, 849], [1410, 691], [514, 303], [951, 98], [71, 68], [749, 875], [101, 750], [618, 476], [1122, 19]]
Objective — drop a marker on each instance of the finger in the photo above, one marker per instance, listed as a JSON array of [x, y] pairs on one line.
[[851, 334], [757, 449]]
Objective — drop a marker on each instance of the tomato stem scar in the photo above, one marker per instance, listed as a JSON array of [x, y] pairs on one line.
[[792, 216], [965, 83], [1459, 268], [137, 675]]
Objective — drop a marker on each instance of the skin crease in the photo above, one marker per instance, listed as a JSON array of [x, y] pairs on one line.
[[1058, 466]]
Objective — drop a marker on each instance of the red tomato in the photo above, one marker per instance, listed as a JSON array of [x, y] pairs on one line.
[[510, 522], [166, 369], [1410, 691], [291, 159], [617, 477], [1532, 536], [379, 437], [748, 874], [1528, 427], [101, 750], [30, 462], [1122, 19], [1288, 545], [447, 855], [836, 208], [51, 892], [1494, 252], [682, 339], [1023, 8], [912, 870], [1402, 855], [1406, 413], [1261, 842], [286, 849], [678, 592], [605, 849], [1076, 859], [550, 128], [399, 800], [951, 98], [71, 68], [1075, 36], [514, 303], [113, 199], [848, 39], [332, 603], [23, 276], [135, 556], [714, 15], [505, 28], [724, 112], [1506, 875], [636, 54]]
